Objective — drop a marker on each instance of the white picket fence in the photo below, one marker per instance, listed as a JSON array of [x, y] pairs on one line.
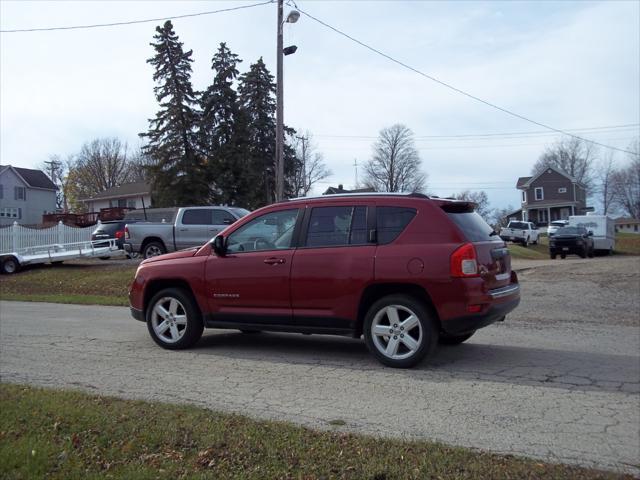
[[14, 237]]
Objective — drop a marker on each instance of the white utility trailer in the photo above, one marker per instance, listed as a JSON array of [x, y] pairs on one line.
[[11, 262]]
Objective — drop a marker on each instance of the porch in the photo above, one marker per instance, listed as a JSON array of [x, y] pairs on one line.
[[542, 216]]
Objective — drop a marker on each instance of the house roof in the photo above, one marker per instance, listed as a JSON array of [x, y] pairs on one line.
[[625, 221], [339, 189], [33, 178], [122, 191], [529, 180]]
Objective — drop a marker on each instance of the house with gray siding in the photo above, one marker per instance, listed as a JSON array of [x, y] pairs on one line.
[[25, 195], [551, 195], [128, 195]]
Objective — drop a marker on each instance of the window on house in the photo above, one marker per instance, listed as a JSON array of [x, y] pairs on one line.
[[524, 196], [20, 193], [562, 190], [131, 203], [8, 212], [122, 202], [539, 193]]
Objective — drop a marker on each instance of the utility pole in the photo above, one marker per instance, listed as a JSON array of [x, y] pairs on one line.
[[355, 164], [53, 167], [279, 112], [303, 139]]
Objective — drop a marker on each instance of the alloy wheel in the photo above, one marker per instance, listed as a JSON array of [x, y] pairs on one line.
[[396, 332], [169, 319]]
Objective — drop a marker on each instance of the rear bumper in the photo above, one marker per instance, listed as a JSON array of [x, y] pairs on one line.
[[504, 301], [137, 314]]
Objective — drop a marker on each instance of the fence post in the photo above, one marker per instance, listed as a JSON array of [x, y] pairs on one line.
[[14, 237], [60, 232]]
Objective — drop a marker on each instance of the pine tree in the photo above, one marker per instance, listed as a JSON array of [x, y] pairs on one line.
[[177, 173], [257, 100], [222, 135]]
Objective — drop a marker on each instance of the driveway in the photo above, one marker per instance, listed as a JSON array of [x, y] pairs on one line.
[[559, 380]]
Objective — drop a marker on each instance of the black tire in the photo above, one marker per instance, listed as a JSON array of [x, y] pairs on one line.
[[250, 332], [583, 252], [9, 265], [422, 320], [525, 242], [592, 253], [153, 249], [563, 256], [553, 256], [454, 339], [192, 328], [104, 258]]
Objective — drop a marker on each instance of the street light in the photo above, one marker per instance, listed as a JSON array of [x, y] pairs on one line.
[[292, 17]]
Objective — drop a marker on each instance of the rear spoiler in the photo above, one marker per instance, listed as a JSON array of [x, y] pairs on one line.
[[456, 206]]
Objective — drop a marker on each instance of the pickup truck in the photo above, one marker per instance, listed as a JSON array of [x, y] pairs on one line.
[[520, 232], [191, 227]]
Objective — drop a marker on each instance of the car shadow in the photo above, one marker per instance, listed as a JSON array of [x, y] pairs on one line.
[[518, 365]]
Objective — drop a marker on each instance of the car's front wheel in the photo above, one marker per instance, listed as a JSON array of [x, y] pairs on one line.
[[400, 331], [173, 319]]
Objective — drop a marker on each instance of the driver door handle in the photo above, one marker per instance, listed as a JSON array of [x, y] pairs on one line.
[[274, 261]]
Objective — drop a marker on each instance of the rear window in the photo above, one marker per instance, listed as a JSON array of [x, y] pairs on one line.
[[519, 225], [391, 221], [473, 226]]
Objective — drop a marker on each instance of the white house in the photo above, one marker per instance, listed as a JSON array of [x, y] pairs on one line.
[[25, 195], [131, 195], [628, 225]]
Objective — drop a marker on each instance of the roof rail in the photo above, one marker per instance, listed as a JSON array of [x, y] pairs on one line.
[[356, 195]]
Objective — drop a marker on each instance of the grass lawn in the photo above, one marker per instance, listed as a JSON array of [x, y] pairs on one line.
[[67, 435], [89, 283]]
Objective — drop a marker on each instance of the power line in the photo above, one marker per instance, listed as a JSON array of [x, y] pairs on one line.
[[133, 22], [455, 89], [526, 134]]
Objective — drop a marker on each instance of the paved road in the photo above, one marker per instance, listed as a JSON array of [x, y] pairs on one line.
[[559, 391]]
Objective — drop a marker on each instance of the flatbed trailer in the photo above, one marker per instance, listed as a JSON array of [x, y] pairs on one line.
[[11, 262]]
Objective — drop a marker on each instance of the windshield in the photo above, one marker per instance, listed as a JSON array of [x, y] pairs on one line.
[[558, 224], [240, 212], [519, 225], [568, 231]]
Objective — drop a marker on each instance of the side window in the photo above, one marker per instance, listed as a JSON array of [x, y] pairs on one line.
[[271, 231], [222, 217], [333, 226], [197, 216], [391, 221]]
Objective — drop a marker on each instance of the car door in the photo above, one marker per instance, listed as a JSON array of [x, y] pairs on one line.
[[250, 282], [332, 265], [194, 228]]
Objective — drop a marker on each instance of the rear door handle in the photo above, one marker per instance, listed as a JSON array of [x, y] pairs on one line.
[[274, 261]]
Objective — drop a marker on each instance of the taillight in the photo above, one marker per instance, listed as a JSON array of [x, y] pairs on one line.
[[464, 262], [119, 234], [126, 233]]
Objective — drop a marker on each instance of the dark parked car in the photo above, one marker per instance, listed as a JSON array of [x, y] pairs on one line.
[[571, 240], [110, 230], [403, 270]]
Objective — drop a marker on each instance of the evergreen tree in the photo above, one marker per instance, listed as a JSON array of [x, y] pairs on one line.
[[177, 172], [257, 100], [222, 132]]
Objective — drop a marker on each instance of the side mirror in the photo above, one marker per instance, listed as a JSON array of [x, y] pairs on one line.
[[219, 245], [590, 233]]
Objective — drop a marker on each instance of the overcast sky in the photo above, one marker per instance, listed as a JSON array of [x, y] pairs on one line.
[[572, 65]]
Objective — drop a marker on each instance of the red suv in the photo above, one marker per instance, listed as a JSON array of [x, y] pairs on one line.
[[403, 270]]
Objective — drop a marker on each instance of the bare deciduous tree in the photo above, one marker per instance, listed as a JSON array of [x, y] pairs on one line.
[[605, 173], [479, 198], [395, 165], [310, 166], [626, 184], [572, 156], [500, 217]]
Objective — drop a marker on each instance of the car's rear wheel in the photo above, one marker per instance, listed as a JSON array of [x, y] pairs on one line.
[[173, 319], [563, 256], [583, 252], [153, 249], [553, 256], [400, 331], [454, 339]]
